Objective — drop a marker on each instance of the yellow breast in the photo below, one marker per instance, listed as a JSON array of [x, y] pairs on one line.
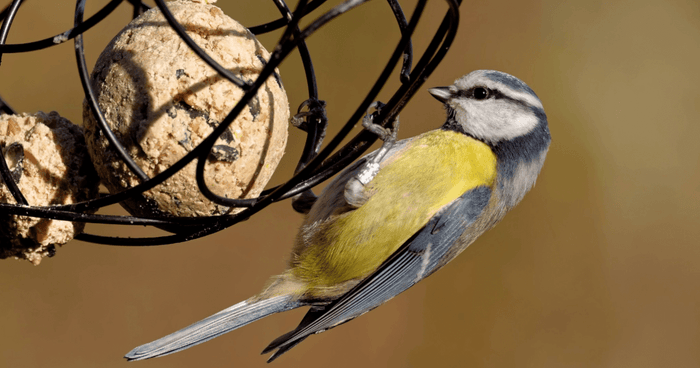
[[433, 170]]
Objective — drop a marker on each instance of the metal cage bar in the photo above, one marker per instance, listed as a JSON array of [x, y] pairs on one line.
[[315, 164]]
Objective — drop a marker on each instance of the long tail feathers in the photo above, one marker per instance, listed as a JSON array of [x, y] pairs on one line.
[[283, 349], [291, 338], [227, 320]]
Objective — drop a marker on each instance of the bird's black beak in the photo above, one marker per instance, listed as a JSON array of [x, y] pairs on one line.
[[442, 94]]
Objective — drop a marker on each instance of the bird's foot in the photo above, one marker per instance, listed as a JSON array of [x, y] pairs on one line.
[[311, 109], [387, 135], [355, 194], [310, 118]]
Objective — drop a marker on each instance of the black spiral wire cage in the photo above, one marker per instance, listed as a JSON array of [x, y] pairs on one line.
[[315, 164]]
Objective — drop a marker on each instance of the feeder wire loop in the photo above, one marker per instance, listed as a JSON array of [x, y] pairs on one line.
[[61, 37], [8, 18], [426, 65], [317, 162], [92, 99]]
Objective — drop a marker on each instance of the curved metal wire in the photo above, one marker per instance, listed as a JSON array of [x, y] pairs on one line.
[[315, 164], [61, 37]]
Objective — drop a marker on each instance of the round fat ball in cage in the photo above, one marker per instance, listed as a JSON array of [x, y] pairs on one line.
[[161, 100], [48, 159]]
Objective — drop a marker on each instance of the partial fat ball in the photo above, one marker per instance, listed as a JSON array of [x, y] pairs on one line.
[[48, 159]]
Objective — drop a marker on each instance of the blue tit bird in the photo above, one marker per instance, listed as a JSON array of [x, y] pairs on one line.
[[398, 214]]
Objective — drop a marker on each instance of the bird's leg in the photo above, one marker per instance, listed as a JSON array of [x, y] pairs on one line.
[[355, 194], [314, 118]]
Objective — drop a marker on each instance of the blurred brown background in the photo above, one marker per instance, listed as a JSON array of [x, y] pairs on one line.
[[598, 267]]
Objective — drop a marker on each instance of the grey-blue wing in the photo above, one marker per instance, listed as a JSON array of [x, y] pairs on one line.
[[413, 261]]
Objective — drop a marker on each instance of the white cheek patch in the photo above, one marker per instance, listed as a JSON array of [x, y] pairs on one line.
[[518, 122], [493, 120], [507, 115]]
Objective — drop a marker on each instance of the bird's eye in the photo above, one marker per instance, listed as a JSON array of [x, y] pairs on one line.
[[481, 93]]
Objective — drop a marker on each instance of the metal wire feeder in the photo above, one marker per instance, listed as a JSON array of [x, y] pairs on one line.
[[315, 164]]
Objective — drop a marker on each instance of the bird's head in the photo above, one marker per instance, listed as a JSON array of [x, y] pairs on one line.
[[503, 112], [493, 107]]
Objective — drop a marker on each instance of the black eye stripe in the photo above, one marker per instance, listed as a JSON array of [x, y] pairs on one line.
[[492, 93], [474, 93], [497, 94]]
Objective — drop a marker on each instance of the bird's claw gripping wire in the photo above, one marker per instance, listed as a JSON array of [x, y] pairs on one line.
[[387, 135], [316, 109], [313, 117]]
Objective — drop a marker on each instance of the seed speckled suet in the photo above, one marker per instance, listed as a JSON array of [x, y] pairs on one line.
[[428, 198]]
